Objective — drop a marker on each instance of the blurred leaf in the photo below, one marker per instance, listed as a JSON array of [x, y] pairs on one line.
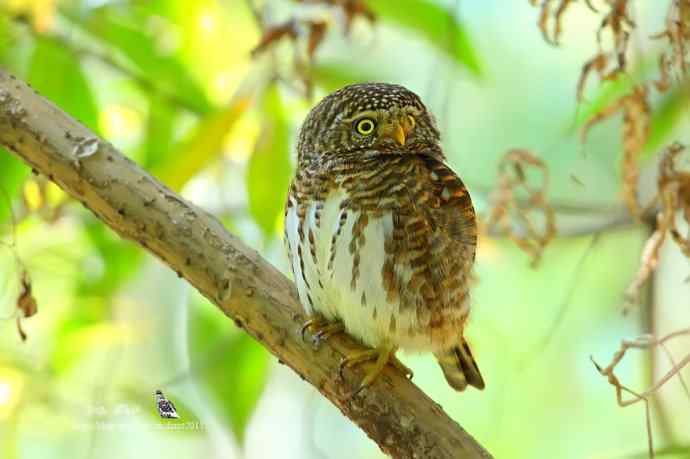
[[55, 72], [14, 172], [5, 36], [269, 170], [120, 259], [231, 364], [39, 14], [665, 117], [160, 134], [16, 46], [114, 261], [78, 342], [202, 145], [125, 29], [248, 372], [335, 76], [434, 22]]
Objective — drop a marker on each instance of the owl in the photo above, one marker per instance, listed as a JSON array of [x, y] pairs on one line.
[[380, 233]]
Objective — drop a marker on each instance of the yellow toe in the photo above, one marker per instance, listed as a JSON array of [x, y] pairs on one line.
[[381, 356]]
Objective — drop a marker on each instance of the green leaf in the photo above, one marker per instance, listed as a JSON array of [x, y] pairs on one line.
[[55, 72], [269, 170], [665, 118], [232, 366], [125, 30], [202, 145], [435, 23]]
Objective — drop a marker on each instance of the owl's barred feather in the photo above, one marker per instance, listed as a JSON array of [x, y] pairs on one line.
[[381, 234], [459, 367]]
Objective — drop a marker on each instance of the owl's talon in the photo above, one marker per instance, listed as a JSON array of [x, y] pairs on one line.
[[307, 325], [320, 329], [382, 356], [326, 332]]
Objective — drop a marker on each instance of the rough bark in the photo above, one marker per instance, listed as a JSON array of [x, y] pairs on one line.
[[399, 417]]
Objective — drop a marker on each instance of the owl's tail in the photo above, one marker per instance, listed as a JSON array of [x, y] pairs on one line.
[[459, 367]]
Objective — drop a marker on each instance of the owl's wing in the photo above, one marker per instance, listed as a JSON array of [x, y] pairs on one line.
[[435, 236]]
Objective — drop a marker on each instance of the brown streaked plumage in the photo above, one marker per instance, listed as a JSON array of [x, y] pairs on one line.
[[381, 233]]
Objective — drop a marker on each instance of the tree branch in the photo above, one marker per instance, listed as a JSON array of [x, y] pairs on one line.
[[400, 418]]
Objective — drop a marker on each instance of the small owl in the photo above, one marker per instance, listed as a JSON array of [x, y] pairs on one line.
[[380, 232]]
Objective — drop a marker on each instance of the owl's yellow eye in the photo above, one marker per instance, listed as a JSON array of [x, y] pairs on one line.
[[412, 121], [365, 126]]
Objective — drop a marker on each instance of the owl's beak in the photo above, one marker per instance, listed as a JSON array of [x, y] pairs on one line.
[[399, 135], [397, 131]]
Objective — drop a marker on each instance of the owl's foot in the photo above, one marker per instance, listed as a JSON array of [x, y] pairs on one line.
[[326, 332], [381, 356], [320, 329]]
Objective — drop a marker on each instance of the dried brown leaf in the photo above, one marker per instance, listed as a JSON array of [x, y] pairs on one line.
[[664, 81], [354, 9], [545, 18], [558, 17], [509, 208], [599, 64], [26, 303], [636, 127], [275, 33], [543, 22], [306, 35], [673, 193], [677, 33], [317, 31]]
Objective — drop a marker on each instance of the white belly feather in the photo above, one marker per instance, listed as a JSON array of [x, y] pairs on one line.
[[326, 287]]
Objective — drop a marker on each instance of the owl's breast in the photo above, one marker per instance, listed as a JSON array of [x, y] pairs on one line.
[[349, 265], [337, 255]]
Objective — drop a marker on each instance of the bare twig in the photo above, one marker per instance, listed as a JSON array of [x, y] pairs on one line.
[[643, 342], [649, 325]]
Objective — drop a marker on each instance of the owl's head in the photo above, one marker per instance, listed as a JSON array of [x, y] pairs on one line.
[[365, 120]]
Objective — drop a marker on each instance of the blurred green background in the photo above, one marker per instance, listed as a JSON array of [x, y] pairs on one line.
[[174, 86]]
